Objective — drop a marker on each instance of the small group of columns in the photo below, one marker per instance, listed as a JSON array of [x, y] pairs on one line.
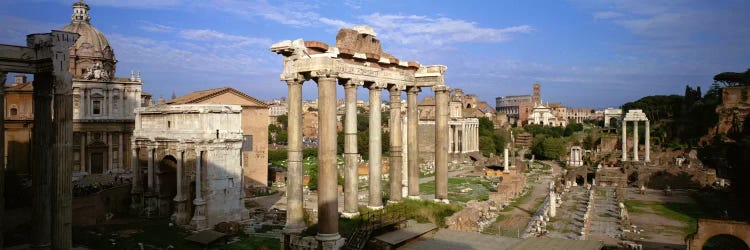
[[327, 171], [647, 156], [198, 220], [463, 138], [111, 166]]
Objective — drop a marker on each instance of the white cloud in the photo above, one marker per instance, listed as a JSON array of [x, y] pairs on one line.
[[155, 27], [208, 35], [411, 29], [607, 15]]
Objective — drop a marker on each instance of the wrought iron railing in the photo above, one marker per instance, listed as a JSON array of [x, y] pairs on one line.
[[372, 221]]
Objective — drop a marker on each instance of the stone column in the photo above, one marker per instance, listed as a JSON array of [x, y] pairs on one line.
[[450, 139], [441, 142], [294, 214], [83, 152], [42, 163], [62, 211], [150, 174], [635, 140], [84, 100], [3, 78], [351, 179], [180, 216], [506, 166], [110, 158], [136, 201], [328, 215], [624, 140], [647, 157], [120, 157], [375, 150], [198, 221], [552, 200], [413, 139], [395, 141]]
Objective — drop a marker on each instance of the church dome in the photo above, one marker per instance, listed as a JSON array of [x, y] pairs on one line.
[[91, 50]]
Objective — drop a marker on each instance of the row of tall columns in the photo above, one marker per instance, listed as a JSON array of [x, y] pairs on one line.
[[327, 170], [647, 156], [463, 138]]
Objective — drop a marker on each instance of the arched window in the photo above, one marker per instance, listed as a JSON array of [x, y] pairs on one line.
[[13, 111]]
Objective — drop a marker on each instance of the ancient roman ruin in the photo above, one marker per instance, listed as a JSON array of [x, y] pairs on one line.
[[46, 57], [192, 155], [356, 60], [635, 116]]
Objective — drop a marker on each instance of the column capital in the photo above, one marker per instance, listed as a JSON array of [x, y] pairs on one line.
[[396, 88], [181, 147], [440, 88], [325, 73], [375, 85], [413, 89], [293, 78], [349, 83]]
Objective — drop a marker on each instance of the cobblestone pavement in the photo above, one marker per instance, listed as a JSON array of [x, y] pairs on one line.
[[569, 220], [605, 224]]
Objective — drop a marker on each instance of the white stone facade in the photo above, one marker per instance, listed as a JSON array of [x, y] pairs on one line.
[[186, 146]]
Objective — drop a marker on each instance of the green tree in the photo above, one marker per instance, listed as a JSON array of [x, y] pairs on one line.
[[487, 145], [733, 78], [554, 148]]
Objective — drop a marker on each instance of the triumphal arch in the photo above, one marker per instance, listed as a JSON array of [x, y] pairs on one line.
[[357, 60]]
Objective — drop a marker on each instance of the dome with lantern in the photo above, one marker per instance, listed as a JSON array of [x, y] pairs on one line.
[[91, 58]]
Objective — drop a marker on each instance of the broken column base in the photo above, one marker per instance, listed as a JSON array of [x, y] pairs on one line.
[[288, 235], [446, 201], [414, 197], [349, 215], [374, 207], [330, 241]]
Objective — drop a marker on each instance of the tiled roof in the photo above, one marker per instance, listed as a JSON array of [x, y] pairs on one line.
[[27, 86], [198, 96]]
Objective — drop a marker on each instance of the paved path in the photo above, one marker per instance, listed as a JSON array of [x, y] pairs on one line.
[[568, 222], [605, 223]]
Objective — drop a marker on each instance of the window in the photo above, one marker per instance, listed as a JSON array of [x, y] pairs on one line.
[[247, 143], [13, 111], [97, 107], [169, 124]]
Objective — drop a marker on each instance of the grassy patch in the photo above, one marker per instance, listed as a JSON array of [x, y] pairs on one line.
[[683, 212], [520, 199], [427, 211], [480, 188]]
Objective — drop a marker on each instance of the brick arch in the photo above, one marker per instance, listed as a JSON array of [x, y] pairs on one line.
[[710, 228]]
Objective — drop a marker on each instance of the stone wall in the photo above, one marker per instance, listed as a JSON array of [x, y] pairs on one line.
[[93, 209], [255, 162]]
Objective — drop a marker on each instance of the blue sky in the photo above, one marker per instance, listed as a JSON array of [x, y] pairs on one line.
[[585, 53]]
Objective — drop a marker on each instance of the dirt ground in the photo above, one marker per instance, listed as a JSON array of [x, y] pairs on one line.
[[659, 225]]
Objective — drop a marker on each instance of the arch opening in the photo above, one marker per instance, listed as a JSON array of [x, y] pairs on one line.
[[725, 241], [168, 182]]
